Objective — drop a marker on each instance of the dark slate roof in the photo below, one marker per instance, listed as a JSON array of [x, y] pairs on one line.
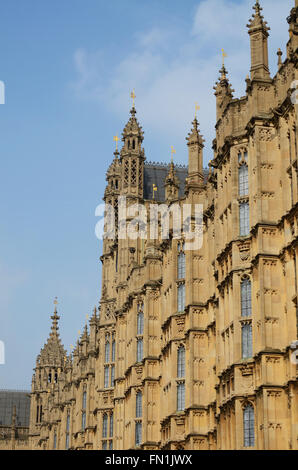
[[156, 173], [19, 399]]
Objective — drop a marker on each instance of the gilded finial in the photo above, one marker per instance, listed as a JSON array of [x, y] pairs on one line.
[[224, 54], [116, 139], [56, 301], [133, 96], [172, 153], [197, 108]]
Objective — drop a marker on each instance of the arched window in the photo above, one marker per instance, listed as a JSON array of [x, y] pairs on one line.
[[55, 441], [248, 426], [56, 378], [133, 144], [139, 405], [105, 426], [107, 351], [246, 298], [50, 378], [181, 362]]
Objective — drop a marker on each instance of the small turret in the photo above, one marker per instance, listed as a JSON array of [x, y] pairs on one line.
[[132, 157], [195, 143], [258, 31], [171, 184], [223, 92]]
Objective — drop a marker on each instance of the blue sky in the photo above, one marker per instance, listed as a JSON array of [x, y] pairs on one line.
[[69, 67]]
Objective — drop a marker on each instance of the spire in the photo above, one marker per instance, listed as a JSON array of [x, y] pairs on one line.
[[257, 20], [85, 335], [195, 143], [93, 319], [171, 183], [132, 157], [258, 31], [223, 92], [133, 130], [53, 352]]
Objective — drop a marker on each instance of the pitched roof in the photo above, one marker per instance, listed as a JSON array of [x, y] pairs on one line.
[[156, 173], [19, 399]]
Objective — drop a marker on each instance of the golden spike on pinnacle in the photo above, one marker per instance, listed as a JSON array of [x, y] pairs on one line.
[[197, 108], [55, 301], [224, 54], [71, 346], [79, 332], [133, 96], [116, 139], [172, 153]]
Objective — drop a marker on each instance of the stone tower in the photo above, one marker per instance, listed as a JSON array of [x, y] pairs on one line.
[[50, 366]]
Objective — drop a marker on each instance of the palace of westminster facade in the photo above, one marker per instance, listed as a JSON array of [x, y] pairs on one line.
[[193, 349]]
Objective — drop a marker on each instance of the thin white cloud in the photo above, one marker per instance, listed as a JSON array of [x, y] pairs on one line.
[[171, 69]]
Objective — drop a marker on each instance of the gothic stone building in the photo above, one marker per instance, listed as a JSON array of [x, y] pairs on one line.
[[193, 349]]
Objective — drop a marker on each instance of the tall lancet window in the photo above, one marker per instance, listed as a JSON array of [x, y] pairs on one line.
[[140, 331], [246, 298], [84, 406], [181, 362], [243, 192], [67, 431], [181, 261], [244, 219], [243, 174], [181, 277], [107, 349], [180, 396], [139, 405], [248, 426], [246, 331], [181, 297]]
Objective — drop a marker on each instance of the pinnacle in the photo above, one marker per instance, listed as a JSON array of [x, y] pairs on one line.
[[194, 135], [257, 19], [53, 351], [132, 127]]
